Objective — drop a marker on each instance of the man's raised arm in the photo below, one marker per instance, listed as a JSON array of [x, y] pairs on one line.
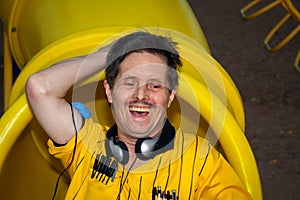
[[46, 91]]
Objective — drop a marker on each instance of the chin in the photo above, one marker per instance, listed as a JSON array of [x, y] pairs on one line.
[[140, 131]]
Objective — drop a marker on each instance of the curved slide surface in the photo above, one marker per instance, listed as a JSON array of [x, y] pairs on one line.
[[208, 101]]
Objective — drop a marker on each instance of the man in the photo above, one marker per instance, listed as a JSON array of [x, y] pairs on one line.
[[142, 156]]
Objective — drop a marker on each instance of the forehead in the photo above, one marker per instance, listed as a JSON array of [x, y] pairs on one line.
[[143, 65]]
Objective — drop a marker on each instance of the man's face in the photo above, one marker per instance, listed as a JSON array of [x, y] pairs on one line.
[[140, 95]]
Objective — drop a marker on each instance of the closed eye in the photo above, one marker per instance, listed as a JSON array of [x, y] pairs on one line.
[[154, 86], [129, 83]]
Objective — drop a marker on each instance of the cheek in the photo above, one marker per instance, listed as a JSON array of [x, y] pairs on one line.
[[120, 96], [161, 99]]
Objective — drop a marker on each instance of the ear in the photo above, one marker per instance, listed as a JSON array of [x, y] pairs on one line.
[[107, 91], [172, 96]]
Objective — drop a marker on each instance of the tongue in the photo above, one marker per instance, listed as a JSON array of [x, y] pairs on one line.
[[139, 114]]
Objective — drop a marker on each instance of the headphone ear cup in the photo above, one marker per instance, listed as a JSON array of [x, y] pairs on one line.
[[122, 151], [144, 148], [117, 149]]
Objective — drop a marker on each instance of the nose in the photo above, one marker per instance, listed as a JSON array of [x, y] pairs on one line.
[[141, 93]]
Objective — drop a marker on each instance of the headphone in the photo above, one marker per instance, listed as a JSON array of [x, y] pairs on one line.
[[145, 148]]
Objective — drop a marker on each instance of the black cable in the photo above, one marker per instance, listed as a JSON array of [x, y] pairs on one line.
[[156, 173], [121, 187], [181, 162], [191, 185], [140, 187], [121, 181], [129, 194], [204, 160], [169, 172], [73, 156]]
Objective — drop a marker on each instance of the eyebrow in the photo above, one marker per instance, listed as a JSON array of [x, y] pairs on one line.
[[131, 77]]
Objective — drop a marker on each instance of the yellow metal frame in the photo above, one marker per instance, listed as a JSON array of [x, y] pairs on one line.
[[292, 13], [260, 11], [275, 29], [296, 63]]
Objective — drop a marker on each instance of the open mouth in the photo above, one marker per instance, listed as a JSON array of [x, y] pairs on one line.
[[139, 111]]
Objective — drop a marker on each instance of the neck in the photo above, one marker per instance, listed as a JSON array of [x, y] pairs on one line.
[[128, 140], [131, 141]]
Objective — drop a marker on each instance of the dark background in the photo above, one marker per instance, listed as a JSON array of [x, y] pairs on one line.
[[268, 82], [269, 85]]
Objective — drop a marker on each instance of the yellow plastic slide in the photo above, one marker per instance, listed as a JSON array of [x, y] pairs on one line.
[[42, 32]]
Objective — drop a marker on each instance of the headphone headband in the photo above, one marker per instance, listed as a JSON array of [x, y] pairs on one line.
[[145, 148]]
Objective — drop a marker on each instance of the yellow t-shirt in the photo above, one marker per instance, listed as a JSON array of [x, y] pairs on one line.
[[193, 169]]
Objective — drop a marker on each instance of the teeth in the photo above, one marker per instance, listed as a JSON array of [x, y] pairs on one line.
[[138, 109]]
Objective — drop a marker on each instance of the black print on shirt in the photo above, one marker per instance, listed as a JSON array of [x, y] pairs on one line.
[[104, 168]]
